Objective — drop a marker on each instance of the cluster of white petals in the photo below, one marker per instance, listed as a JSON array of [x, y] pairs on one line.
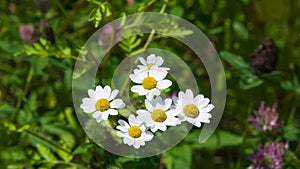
[[150, 80]]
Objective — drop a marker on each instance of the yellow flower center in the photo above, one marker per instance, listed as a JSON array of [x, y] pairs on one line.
[[134, 131], [158, 115], [102, 105], [149, 65], [149, 83], [191, 110]]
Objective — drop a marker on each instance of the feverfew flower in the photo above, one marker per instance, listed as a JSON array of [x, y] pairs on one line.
[[158, 116], [102, 103], [193, 110], [152, 60], [268, 157], [134, 134], [265, 118], [151, 82]]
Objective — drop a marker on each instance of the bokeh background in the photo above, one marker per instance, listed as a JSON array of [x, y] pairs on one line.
[[258, 42]]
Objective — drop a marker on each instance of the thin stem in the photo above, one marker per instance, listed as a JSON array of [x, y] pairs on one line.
[[47, 141], [63, 162], [23, 97], [238, 163], [148, 41]]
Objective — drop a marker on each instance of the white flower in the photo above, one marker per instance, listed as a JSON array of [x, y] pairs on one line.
[[158, 116], [134, 134], [102, 103], [152, 60], [193, 110], [151, 82]]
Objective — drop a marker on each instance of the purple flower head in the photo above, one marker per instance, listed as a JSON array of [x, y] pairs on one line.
[[265, 118], [269, 157], [26, 32]]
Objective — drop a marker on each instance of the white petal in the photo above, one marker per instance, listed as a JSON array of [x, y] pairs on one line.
[[139, 89], [96, 114], [139, 76], [113, 94], [143, 61], [104, 115], [147, 136], [99, 92], [151, 59], [144, 116], [112, 112], [119, 133], [117, 103], [189, 95], [106, 91], [136, 146], [159, 61], [128, 140], [133, 121], [148, 105], [162, 127], [197, 124], [152, 93], [124, 124], [123, 129], [203, 103], [99, 118], [198, 98], [158, 74], [140, 142], [154, 128], [167, 105], [91, 93], [208, 108], [88, 105]]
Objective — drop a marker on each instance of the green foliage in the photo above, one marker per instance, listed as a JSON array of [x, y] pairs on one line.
[[39, 127]]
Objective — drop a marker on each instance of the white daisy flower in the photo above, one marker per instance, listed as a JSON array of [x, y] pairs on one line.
[[134, 134], [193, 110], [102, 103], [158, 114], [151, 82], [152, 60]]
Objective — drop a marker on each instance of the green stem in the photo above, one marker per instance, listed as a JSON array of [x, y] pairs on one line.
[[23, 97], [47, 141], [293, 111], [148, 41], [242, 147], [63, 162]]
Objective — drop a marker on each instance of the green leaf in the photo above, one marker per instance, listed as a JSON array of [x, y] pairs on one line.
[[248, 80], [291, 133], [218, 140], [234, 60], [179, 157], [45, 153], [240, 30], [83, 148]]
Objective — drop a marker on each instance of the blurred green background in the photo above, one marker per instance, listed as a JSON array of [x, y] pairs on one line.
[[38, 125]]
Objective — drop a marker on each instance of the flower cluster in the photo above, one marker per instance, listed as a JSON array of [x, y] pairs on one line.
[[269, 156], [265, 118], [160, 113]]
